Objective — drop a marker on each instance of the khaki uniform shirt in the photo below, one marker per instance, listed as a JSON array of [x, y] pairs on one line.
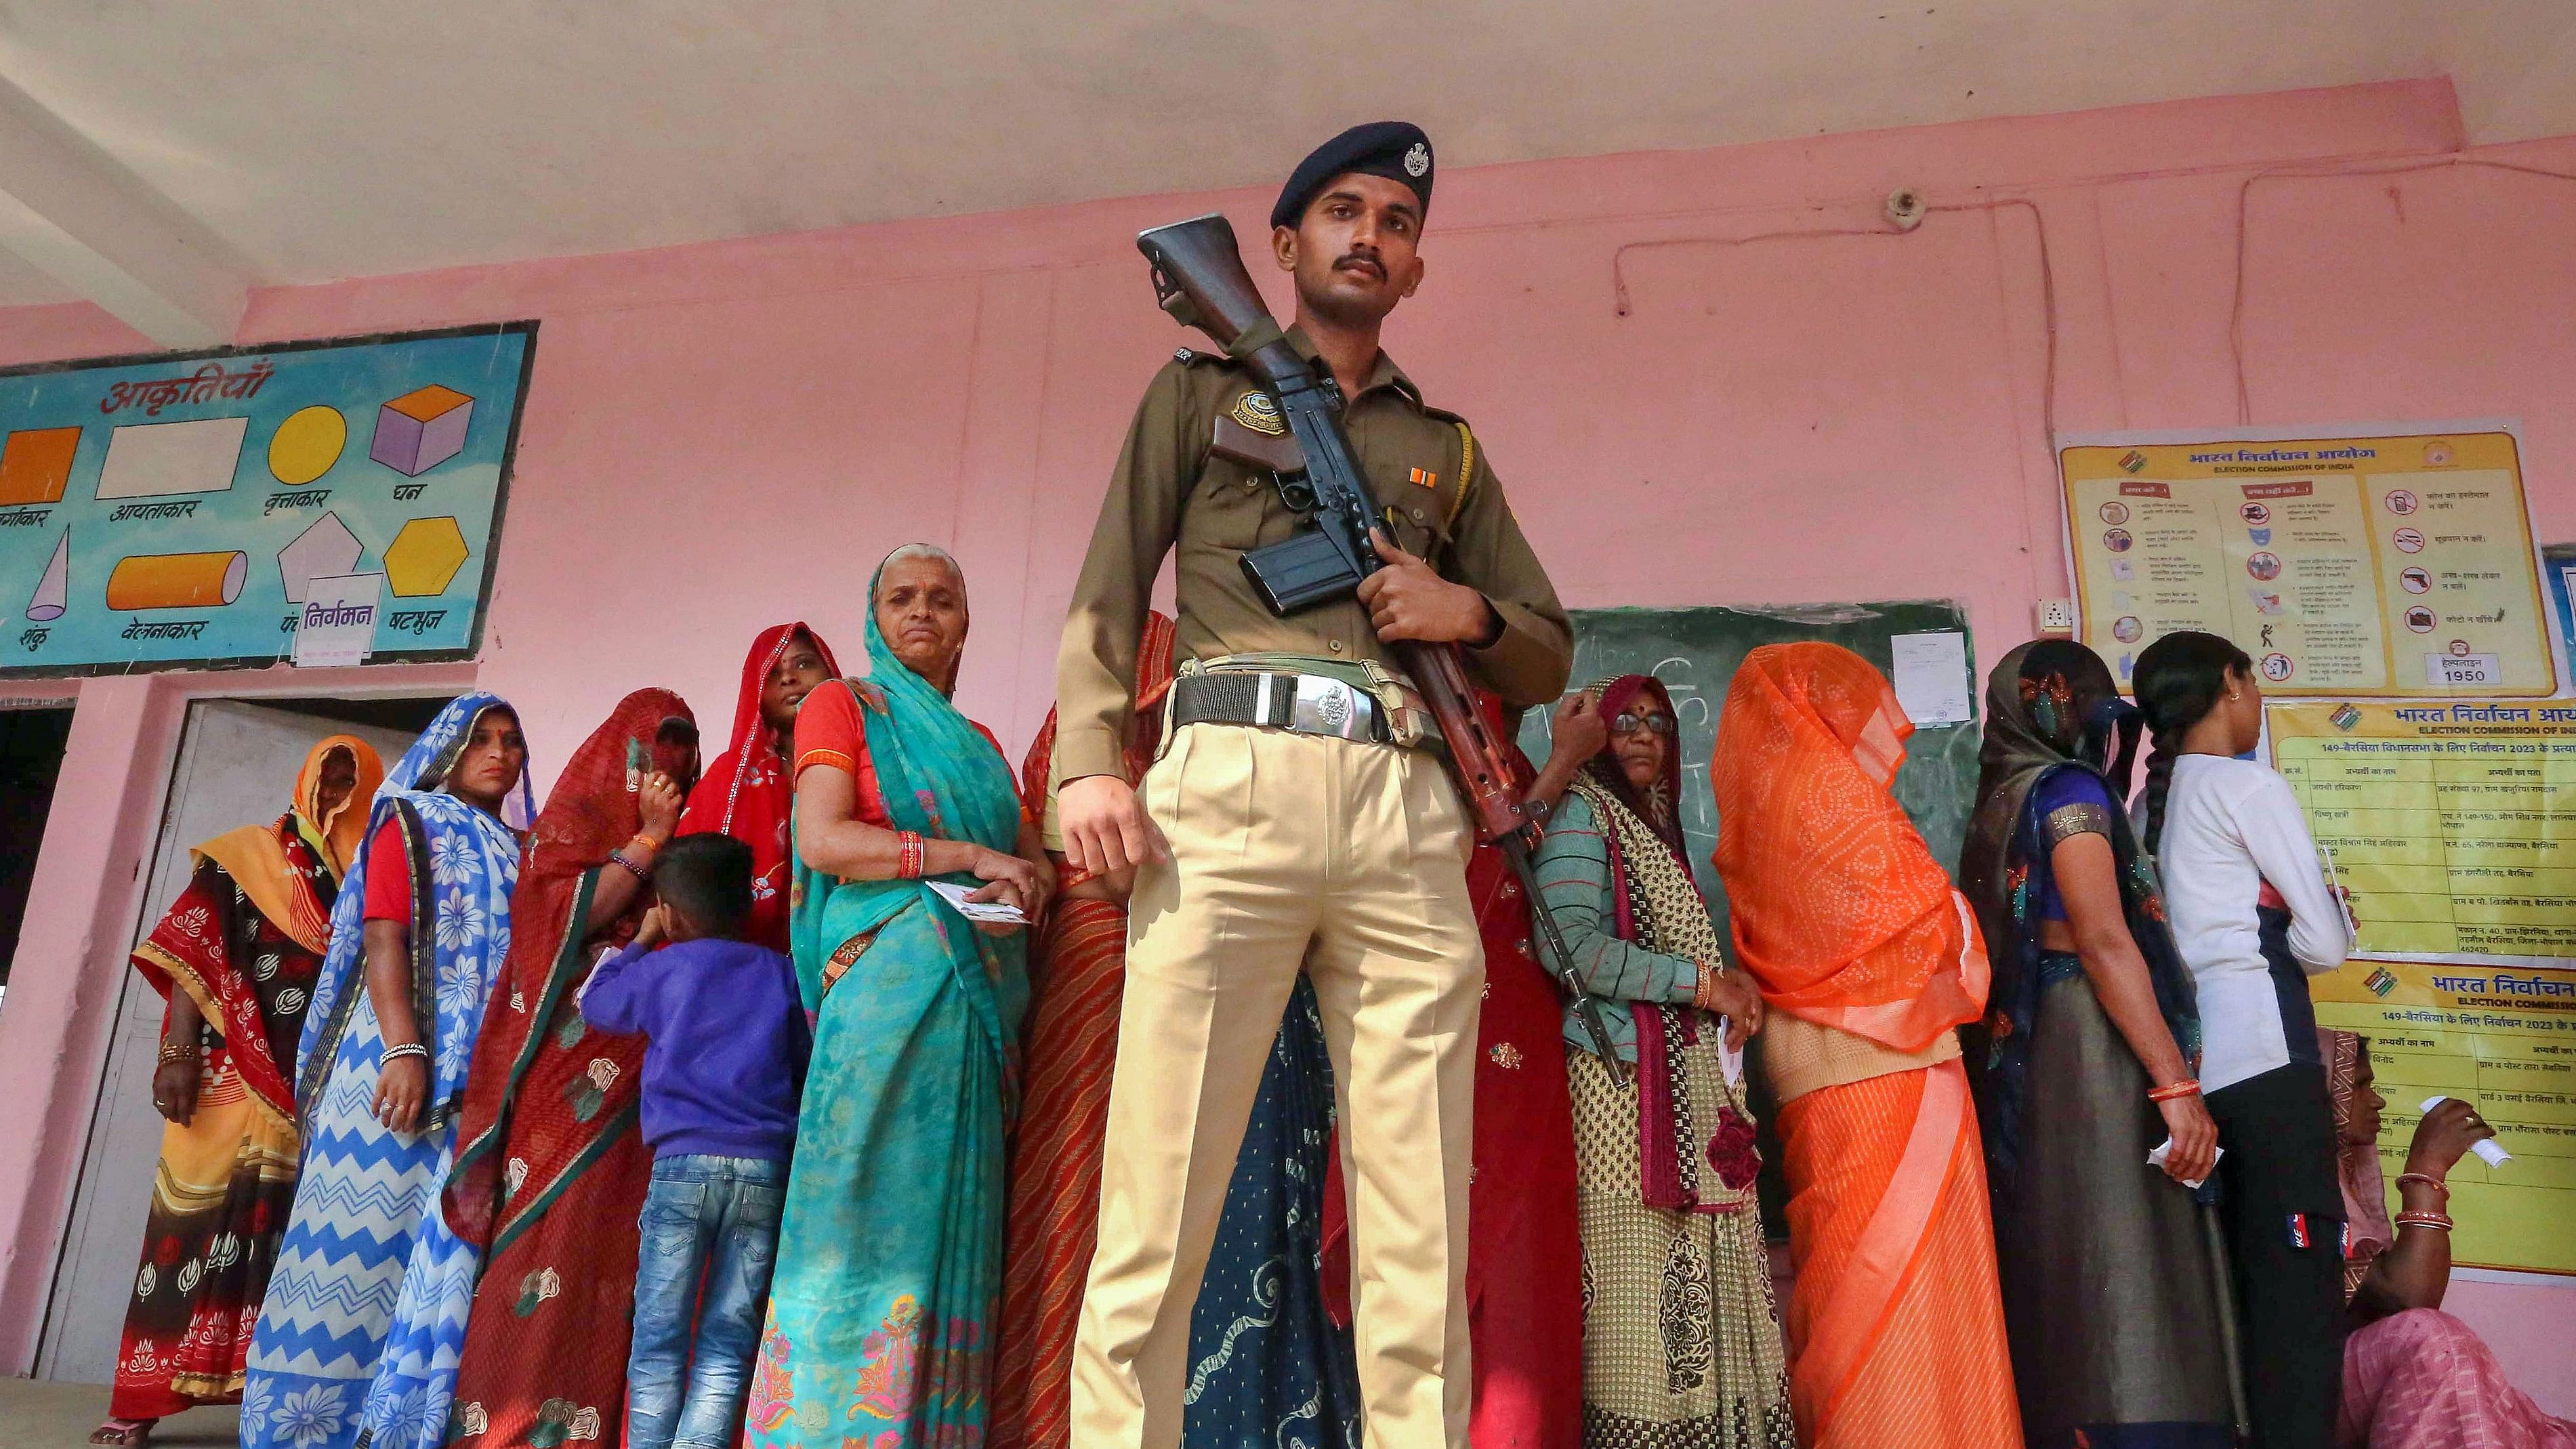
[[1170, 493]]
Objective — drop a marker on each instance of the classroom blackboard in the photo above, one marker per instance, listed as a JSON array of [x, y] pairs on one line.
[[1695, 651]]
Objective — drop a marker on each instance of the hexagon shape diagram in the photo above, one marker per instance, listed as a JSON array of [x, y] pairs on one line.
[[423, 557], [319, 552]]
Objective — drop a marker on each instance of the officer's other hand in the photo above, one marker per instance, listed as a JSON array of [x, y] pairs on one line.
[[1105, 829], [1408, 599]]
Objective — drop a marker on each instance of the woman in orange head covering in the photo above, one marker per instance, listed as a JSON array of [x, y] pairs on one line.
[[1868, 959], [235, 956]]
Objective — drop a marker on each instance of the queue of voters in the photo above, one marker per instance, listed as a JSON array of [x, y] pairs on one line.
[[1212, 1077]]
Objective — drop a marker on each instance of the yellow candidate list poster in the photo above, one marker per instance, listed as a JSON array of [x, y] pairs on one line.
[[2504, 1040], [2397, 566], [2453, 824]]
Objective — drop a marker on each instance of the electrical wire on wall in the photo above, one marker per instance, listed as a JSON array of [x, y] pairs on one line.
[[1906, 212], [2320, 172], [2047, 274]]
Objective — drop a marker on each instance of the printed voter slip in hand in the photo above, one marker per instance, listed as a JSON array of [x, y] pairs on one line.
[[2485, 1147], [2164, 1150], [995, 912]]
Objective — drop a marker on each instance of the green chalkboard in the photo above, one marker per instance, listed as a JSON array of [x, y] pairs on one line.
[[1695, 651]]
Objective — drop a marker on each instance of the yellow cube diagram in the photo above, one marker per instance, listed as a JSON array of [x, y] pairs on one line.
[[423, 557]]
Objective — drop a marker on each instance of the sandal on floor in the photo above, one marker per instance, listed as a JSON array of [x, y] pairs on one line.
[[123, 1433]]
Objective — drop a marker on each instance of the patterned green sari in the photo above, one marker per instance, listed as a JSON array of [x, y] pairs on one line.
[[880, 1328]]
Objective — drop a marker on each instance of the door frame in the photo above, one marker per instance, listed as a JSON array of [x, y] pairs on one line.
[[84, 914]]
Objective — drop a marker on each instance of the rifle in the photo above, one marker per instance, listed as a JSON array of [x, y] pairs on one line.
[[1199, 278]]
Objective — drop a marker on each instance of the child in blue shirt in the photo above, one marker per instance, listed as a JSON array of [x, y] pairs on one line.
[[724, 1063]]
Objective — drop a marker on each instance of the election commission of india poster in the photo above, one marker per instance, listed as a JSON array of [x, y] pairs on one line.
[[177, 509], [2453, 824], [2395, 565]]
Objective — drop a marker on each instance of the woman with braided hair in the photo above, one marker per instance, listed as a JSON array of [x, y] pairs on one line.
[[2253, 918]]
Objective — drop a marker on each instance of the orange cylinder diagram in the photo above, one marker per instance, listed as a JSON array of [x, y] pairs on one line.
[[177, 580]]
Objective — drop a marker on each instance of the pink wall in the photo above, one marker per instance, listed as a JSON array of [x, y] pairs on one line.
[[722, 435]]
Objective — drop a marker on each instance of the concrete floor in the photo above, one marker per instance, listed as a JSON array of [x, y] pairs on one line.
[[59, 1416]]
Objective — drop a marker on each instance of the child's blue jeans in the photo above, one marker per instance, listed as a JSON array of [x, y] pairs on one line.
[[711, 1221]]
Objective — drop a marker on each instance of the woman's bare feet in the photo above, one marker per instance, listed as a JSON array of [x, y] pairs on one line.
[[123, 1433]]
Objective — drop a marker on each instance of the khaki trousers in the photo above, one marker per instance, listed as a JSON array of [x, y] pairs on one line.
[[1349, 860]]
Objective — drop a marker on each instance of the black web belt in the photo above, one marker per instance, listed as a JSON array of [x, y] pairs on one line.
[[1309, 704]]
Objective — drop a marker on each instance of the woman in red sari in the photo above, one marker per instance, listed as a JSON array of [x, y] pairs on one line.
[[1075, 973], [550, 1167], [746, 794], [235, 956], [1525, 1290]]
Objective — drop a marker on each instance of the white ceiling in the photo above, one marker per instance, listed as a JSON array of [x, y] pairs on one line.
[[303, 140]]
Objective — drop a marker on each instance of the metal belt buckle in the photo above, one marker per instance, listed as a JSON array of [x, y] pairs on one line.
[[1329, 707]]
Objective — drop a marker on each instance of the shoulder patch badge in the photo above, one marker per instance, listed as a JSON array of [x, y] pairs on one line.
[[1256, 411]]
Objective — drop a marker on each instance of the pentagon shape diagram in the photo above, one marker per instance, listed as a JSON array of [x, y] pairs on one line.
[[324, 550], [421, 429], [176, 580], [157, 460], [54, 589], [36, 465], [424, 557]]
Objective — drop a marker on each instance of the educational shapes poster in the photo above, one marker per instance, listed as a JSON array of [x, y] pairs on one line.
[[170, 510], [2389, 566]]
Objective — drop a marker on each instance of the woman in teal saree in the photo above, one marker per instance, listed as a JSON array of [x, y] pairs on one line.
[[880, 1325]]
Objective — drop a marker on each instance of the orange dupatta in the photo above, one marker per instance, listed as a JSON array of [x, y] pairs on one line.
[[1836, 905], [256, 860]]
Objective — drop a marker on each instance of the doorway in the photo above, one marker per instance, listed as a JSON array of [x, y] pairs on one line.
[[236, 766], [32, 737]]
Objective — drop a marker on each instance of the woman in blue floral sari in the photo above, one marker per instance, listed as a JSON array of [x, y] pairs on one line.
[[879, 1334], [357, 1341]]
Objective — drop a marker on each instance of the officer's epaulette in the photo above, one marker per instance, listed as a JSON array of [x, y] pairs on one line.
[[1192, 357]]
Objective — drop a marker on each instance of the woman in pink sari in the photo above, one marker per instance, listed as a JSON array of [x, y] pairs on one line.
[[2414, 1377]]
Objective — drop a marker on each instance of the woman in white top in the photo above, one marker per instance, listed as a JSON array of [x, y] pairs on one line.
[[2254, 919]]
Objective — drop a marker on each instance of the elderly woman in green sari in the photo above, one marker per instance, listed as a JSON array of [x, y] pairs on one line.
[[880, 1327]]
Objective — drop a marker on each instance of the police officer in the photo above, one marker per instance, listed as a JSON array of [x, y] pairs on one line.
[[1293, 821]]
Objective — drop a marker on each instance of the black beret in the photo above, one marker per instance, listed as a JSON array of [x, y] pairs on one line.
[[1396, 150]]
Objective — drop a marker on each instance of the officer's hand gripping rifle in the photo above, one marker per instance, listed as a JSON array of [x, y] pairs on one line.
[[1199, 278]]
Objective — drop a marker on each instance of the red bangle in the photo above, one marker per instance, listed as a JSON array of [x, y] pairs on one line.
[[915, 855], [2425, 1220], [2175, 1092], [2426, 1178]]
